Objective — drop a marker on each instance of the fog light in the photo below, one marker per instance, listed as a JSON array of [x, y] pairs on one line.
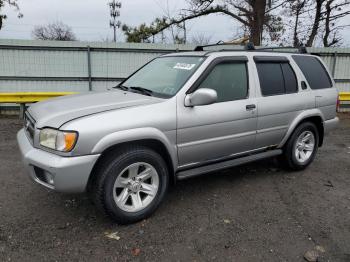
[[49, 178], [44, 176]]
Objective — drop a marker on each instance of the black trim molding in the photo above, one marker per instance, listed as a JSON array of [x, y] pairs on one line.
[[271, 59]]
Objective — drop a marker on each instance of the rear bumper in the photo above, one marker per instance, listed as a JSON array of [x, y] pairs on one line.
[[331, 124], [62, 174]]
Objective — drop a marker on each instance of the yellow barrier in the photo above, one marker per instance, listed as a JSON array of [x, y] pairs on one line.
[[30, 97], [344, 96]]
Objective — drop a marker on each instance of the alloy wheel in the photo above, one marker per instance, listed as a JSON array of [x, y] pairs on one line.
[[305, 146], [136, 187]]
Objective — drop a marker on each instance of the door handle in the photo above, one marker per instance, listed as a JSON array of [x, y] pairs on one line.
[[250, 107]]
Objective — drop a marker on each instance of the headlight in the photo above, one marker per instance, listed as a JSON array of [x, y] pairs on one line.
[[58, 140]]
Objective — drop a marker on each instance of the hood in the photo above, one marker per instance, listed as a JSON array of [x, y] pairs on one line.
[[56, 112]]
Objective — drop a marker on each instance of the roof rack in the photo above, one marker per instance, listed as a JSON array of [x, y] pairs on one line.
[[201, 47], [250, 47], [302, 49]]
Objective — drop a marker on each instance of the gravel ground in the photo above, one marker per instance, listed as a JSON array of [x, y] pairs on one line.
[[256, 212]]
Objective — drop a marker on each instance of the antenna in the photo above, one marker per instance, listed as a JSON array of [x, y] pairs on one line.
[[115, 7], [302, 49], [249, 46]]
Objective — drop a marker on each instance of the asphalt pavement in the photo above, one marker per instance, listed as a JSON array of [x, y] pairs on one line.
[[256, 212]]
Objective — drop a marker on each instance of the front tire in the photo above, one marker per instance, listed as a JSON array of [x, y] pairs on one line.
[[130, 184], [301, 148]]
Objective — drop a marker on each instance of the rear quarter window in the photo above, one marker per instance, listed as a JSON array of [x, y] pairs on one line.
[[314, 72]]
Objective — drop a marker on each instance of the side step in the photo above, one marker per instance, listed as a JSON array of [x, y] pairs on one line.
[[226, 164]]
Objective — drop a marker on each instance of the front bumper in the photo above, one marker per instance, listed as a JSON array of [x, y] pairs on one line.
[[62, 174]]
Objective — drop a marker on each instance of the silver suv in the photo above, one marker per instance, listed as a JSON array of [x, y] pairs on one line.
[[179, 116]]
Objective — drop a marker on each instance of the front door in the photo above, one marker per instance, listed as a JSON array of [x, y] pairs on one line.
[[225, 128]]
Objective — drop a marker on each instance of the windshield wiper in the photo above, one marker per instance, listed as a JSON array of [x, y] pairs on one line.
[[124, 88], [142, 90]]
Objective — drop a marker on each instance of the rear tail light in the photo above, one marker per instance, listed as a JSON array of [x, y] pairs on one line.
[[338, 103]]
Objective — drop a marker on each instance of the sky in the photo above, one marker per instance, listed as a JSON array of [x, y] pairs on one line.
[[89, 19]]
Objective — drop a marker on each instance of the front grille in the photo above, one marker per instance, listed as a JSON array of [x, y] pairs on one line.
[[29, 126]]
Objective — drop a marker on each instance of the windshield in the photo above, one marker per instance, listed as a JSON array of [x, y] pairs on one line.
[[164, 76]]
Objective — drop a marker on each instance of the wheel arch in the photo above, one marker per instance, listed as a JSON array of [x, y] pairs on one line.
[[315, 117], [119, 140]]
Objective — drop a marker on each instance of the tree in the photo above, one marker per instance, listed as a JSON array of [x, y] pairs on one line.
[[147, 33], [54, 31], [12, 3], [253, 15], [299, 20], [334, 10], [318, 19], [201, 39]]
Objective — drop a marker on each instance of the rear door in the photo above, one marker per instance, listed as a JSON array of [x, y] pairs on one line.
[[280, 100]]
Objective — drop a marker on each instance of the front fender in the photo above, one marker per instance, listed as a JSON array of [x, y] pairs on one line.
[[302, 116], [168, 139]]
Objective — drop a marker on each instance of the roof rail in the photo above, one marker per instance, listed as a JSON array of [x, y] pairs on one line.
[[201, 47], [302, 49], [250, 47]]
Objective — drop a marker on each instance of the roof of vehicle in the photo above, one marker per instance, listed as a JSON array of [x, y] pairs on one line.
[[233, 52], [190, 53], [222, 49]]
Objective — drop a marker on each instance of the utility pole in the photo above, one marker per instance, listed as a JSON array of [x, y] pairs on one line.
[[115, 12], [185, 32]]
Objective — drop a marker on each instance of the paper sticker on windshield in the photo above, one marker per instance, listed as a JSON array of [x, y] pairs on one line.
[[184, 66]]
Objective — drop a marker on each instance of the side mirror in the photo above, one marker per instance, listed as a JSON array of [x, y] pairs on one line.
[[201, 97]]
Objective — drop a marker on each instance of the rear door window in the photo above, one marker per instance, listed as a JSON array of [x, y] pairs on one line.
[[290, 80], [314, 71], [271, 78], [276, 78]]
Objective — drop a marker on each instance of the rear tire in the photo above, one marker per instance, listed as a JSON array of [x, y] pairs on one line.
[[301, 148], [130, 184]]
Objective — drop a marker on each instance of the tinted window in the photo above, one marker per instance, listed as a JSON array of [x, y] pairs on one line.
[[314, 72], [271, 78], [276, 78], [290, 80], [229, 80]]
